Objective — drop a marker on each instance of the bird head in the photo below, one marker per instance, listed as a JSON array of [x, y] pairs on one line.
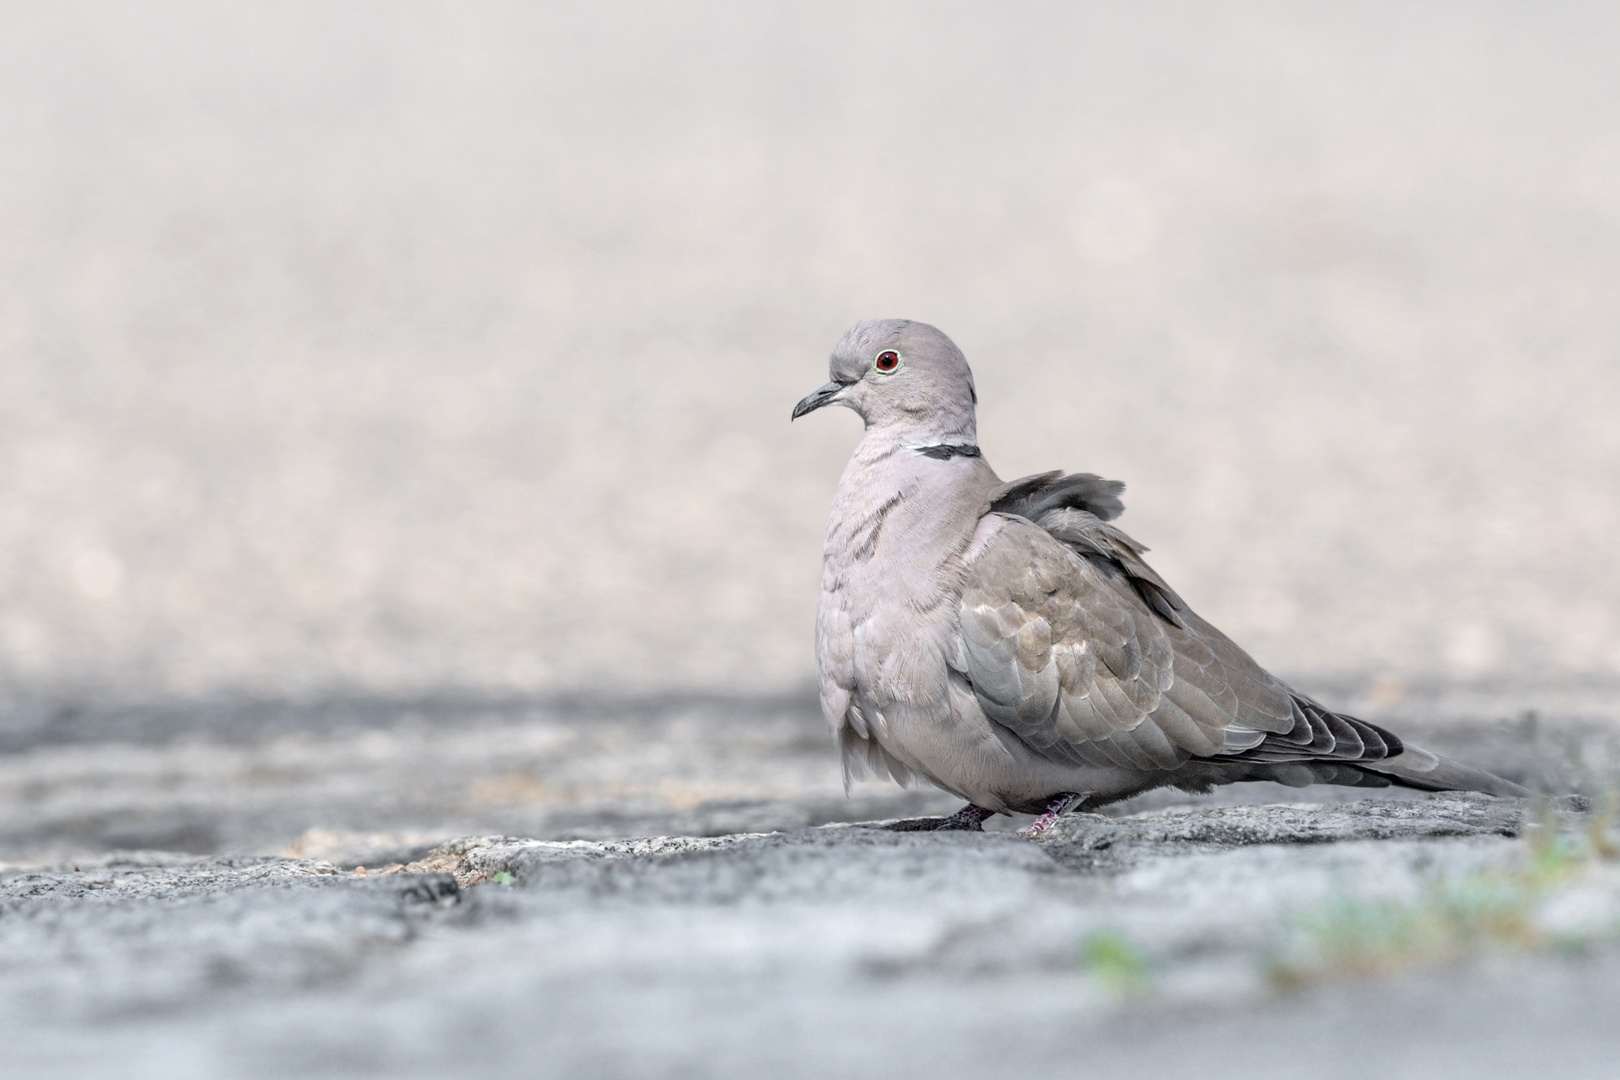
[[901, 375]]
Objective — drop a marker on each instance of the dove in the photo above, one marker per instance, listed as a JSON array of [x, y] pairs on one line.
[[1008, 643]]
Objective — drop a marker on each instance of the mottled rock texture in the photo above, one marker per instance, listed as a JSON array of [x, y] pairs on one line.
[[844, 950]]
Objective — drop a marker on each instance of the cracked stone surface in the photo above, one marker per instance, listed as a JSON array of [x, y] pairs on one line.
[[838, 950], [806, 950]]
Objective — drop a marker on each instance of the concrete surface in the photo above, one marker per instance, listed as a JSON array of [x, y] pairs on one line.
[[749, 932], [832, 951]]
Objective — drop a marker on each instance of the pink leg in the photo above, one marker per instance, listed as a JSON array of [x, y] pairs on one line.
[[1054, 810]]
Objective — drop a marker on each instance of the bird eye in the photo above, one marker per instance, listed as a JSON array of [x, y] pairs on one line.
[[886, 361]]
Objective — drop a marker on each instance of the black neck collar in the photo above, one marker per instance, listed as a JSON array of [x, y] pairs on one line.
[[946, 451]]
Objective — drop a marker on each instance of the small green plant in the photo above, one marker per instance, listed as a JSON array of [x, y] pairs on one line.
[[501, 877], [1598, 824], [1352, 938], [1451, 920], [1111, 958]]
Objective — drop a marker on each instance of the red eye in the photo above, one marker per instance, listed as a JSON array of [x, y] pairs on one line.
[[887, 361]]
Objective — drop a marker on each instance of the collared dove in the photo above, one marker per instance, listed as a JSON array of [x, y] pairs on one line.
[[1007, 643]]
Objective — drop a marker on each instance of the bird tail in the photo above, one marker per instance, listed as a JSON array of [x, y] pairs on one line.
[[1417, 768]]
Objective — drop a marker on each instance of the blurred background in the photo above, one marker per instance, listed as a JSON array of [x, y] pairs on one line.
[[435, 360]]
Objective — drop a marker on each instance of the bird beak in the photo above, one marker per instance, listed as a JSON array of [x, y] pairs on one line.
[[825, 396]]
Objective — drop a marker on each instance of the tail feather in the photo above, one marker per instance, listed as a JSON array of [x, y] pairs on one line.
[[1418, 768]]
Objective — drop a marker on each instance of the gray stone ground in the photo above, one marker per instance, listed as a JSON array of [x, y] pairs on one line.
[[749, 936]]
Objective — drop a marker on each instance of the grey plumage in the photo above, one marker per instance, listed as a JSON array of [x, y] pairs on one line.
[[1008, 643]]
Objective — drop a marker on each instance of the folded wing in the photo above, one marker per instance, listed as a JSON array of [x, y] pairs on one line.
[[1074, 643]]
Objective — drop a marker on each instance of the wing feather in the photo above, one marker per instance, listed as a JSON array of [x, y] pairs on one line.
[[1079, 648]]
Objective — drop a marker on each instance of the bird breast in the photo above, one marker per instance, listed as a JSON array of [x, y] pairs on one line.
[[892, 577]]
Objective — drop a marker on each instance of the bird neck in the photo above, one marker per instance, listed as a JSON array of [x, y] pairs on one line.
[[937, 428], [889, 464]]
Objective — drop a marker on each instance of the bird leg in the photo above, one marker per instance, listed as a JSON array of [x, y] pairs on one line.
[[968, 819], [1054, 810]]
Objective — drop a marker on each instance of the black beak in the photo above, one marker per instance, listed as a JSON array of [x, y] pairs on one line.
[[818, 399]]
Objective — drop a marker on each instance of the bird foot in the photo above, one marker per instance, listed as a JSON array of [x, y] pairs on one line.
[[968, 819], [1054, 810]]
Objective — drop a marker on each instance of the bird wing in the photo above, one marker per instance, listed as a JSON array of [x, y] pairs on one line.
[[1071, 641], [1033, 496]]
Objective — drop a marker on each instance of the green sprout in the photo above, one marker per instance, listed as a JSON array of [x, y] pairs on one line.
[[1450, 921], [1111, 958]]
